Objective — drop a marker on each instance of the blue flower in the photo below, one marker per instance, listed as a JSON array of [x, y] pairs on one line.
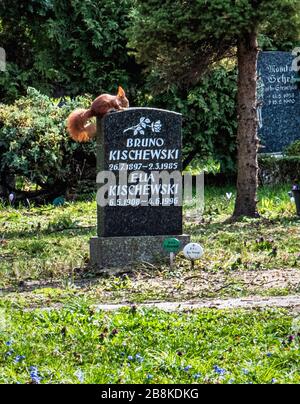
[[219, 370], [130, 358], [149, 377], [8, 343], [245, 371], [80, 375], [273, 381], [19, 358], [9, 353], [35, 378], [269, 354], [139, 358], [231, 381], [187, 368], [197, 376]]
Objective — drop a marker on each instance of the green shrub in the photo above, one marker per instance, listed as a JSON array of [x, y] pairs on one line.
[[293, 149], [65, 47], [279, 170], [209, 117], [34, 143]]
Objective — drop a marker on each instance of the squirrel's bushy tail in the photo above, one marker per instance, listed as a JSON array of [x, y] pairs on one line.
[[77, 128]]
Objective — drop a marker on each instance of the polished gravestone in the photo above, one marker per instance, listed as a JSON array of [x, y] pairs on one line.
[[141, 149], [278, 101]]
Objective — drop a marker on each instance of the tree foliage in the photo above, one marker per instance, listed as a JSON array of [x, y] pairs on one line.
[[209, 117], [65, 47], [179, 39], [72, 47]]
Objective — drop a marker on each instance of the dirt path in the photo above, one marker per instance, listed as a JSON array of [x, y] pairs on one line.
[[290, 302], [181, 291]]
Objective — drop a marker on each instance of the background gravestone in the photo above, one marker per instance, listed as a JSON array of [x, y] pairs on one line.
[[134, 144], [279, 101]]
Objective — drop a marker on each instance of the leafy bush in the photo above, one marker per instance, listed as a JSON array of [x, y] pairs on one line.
[[209, 117], [34, 143], [277, 170], [283, 169], [293, 149], [65, 47]]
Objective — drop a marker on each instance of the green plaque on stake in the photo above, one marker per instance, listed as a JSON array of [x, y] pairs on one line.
[[171, 245]]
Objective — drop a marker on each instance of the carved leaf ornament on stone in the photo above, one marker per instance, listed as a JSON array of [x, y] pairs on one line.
[[142, 126]]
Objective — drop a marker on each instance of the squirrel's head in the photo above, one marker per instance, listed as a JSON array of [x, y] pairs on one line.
[[122, 97]]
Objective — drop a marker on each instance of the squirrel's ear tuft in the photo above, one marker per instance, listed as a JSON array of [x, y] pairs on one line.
[[121, 92]]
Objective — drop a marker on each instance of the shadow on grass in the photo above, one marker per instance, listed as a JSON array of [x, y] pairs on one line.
[[244, 225], [83, 277], [24, 234]]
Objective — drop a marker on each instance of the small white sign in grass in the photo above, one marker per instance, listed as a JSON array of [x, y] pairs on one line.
[[193, 252]]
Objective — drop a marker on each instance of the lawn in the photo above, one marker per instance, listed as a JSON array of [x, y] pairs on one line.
[[80, 345], [44, 254], [51, 330]]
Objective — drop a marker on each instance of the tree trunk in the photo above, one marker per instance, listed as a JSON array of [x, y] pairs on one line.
[[247, 140]]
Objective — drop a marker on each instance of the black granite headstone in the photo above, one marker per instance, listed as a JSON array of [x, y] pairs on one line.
[[137, 144], [279, 101]]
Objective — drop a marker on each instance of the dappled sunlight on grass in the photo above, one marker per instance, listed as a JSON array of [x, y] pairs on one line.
[[48, 243], [78, 344], [44, 254]]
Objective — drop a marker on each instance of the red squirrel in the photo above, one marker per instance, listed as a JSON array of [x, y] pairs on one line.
[[77, 125]]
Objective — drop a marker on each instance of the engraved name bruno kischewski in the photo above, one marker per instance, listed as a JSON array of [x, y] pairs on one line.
[[143, 147]]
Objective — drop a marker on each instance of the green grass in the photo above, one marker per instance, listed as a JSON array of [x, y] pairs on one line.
[[49, 245], [43, 243], [148, 346], [44, 264]]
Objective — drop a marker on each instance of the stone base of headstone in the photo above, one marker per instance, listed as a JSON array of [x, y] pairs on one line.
[[112, 252]]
